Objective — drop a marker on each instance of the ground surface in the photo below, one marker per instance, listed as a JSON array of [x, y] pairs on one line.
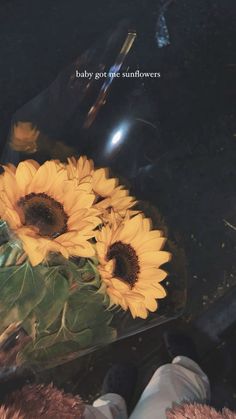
[[195, 113]]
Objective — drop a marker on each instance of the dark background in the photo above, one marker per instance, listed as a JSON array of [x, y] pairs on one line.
[[195, 113]]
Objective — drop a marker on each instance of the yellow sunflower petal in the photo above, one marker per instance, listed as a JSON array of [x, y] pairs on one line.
[[143, 241], [10, 167], [151, 304], [154, 234], [110, 265], [101, 250], [103, 204], [119, 285], [138, 310], [147, 224], [117, 298], [150, 289], [155, 258], [104, 235], [11, 217], [31, 247], [85, 250], [75, 200], [106, 273], [88, 224], [118, 301], [133, 295], [54, 246], [121, 203], [85, 185], [120, 191], [162, 291], [129, 229], [105, 188], [150, 245], [46, 176], [25, 173], [79, 169], [102, 185], [152, 274], [69, 201], [10, 187], [139, 247]]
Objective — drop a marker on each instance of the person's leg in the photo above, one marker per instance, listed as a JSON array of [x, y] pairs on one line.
[[117, 391], [182, 380], [109, 406]]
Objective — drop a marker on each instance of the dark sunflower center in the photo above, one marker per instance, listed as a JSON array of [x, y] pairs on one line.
[[126, 262], [45, 213]]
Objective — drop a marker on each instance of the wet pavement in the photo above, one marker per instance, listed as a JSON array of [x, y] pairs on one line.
[[195, 114]]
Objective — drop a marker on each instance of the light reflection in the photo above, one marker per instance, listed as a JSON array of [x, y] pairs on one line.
[[117, 137]]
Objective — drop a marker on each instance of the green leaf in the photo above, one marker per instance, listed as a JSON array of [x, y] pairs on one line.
[[82, 338], [50, 307], [10, 246], [67, 267], [5, 251], [56, 294], [49, 357], [94, 261], [21, 289], [88, 276], [63, 314], [86, 310], [10, 252], [83, 324], [82, 315], [77, 270], [4, 232]]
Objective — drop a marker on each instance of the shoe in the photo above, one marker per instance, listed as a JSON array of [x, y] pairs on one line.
[[121, 379], [180, 344]]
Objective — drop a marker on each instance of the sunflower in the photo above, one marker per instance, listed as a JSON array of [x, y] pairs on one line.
[[130, 255], [119, 203], [80, 169], [110, 196], [24, 137], [47, 210]]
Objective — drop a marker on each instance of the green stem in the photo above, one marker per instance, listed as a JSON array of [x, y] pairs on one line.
[[95, 270], [63, 319], [11, 260], [21, 259]]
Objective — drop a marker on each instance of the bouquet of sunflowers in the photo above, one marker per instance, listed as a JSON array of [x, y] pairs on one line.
[[74, 252]]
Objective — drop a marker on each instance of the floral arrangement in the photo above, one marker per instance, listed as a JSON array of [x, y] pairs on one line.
[[73, 251]]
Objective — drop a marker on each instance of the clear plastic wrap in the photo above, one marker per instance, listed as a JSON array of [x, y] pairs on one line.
[[86, 258]]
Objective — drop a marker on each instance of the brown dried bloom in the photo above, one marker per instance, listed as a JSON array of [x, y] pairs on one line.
[[45, 402]]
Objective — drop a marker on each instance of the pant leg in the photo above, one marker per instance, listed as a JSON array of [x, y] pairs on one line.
[[183, 380], [108, 406]]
